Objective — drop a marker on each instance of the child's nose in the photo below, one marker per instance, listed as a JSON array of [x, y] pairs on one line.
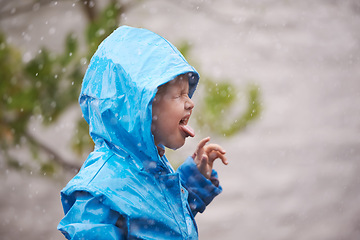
[[189, 104]]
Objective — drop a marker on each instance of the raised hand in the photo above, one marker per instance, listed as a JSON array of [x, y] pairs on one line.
[[205, 155]]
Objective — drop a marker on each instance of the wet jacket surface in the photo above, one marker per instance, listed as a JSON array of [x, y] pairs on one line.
[[125, 189]]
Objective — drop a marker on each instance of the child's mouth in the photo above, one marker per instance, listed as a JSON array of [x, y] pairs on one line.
[[189, 132]]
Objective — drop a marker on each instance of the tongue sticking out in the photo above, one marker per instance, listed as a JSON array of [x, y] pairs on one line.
[[188, 130]]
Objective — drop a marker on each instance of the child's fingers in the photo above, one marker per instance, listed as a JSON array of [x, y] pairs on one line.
[[203, 165], [203, 142], [200, 147], [216, 154], [204, 161], [214, 147]]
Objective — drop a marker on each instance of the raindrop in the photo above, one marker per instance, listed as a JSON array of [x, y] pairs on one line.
[[83, 60], [36, 7], [27, 57], [36, 74], [70, 54], [100, 32], [123, 16], [52, 31], [72, 83]]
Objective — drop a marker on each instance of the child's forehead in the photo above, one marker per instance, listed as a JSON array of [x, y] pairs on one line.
[[180, 81]]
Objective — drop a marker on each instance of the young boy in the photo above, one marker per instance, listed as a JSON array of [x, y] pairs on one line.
[[136, 98]]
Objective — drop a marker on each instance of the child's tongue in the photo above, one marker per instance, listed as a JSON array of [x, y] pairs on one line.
[[188, 130]]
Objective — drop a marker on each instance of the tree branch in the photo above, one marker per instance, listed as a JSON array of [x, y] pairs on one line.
[[54, 156]]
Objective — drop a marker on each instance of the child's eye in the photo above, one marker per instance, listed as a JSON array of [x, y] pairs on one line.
[[183, 95]]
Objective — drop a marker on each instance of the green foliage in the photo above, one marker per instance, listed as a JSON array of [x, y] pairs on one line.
[[47, 168], [251, 113], [44, 88], [39, 88], [185, 49], [12, 86], [219, 99]]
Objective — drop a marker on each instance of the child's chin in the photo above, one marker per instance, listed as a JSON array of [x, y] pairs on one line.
[[177, 145]]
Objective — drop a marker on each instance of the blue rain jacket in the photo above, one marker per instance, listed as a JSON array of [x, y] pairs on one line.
[[125, 189]]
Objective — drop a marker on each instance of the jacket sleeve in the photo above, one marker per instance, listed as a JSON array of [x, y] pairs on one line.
[[201, 190], [88, 218]]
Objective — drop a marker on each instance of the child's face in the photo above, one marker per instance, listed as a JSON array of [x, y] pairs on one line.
[[171, 111]]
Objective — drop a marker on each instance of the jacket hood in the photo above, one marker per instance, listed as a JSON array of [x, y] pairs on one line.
[[120, 84]]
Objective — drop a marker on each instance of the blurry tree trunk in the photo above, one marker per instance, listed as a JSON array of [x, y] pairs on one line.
[[89, 7]]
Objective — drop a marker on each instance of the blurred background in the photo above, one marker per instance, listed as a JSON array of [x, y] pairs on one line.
[[280, 91]]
